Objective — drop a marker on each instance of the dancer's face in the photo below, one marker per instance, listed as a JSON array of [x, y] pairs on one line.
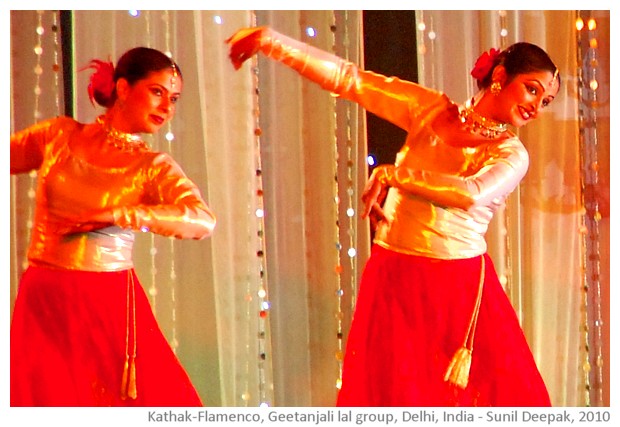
[[150, 102], [523, 97]]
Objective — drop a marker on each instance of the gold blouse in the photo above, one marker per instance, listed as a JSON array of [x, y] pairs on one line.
[[147, 192], [443, 193]]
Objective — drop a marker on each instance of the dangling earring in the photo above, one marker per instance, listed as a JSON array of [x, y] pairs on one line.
[[496, 88]]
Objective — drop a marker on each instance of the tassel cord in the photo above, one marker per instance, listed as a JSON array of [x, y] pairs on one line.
[[457, 372], [128, 381]]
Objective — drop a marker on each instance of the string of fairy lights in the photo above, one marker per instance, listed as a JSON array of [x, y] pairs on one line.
[[261, 252], [345, 170], [338, 269], [46, 20], [589, 102]]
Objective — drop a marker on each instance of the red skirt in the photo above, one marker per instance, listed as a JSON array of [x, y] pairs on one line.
[[412, 315], [70, 336]]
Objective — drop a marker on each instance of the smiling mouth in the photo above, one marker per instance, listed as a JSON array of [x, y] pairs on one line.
[[525, 114], [157, 120]]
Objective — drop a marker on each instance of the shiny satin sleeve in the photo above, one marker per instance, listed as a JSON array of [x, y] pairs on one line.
[[28, 145], [398, 101], [173, 205], [499, 174]]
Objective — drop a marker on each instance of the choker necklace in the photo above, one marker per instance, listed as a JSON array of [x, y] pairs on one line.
[[122, 140], [476, 123]]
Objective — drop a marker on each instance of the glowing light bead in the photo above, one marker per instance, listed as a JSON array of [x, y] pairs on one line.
[[339, 383], [169, 136], [592, 24], [262, 314], [503, 32], [246, 396], [144, 229], [134, 13], [31, 193], [340, 292], [40, 30], [421, 26], [37, 90], [260, 213], [432, 35], [264, 405], [218, 19], [262, 293], [153, 291], [311, 32], [371, 160], [593, 84], [266, 305], [352, 252], [579, 24], [350, 212]]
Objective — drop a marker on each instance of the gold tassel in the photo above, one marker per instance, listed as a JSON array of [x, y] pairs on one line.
[[128, 381], [458, 370], [132, 391], [124, 379]]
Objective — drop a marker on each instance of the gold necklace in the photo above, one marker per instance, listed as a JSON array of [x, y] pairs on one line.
[[122, 140], [476, 123]]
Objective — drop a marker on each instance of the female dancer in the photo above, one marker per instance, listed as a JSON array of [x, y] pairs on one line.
[[432, 324], [83, 332]]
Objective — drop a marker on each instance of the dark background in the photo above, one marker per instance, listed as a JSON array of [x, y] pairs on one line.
[[389, 49]]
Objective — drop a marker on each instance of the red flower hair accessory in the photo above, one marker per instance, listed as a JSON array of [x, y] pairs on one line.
[[484, 64], [102, 80]]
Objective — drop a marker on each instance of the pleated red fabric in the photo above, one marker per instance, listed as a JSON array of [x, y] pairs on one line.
[[412, 315], [68, 343]]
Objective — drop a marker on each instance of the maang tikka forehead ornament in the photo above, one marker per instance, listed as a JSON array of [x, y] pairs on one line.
[[175, 74]]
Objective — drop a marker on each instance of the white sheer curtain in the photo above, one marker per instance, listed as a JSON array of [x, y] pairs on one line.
[[260, 312]]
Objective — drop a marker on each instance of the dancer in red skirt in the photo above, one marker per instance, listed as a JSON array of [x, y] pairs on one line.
[[82, 332], [432, 324]]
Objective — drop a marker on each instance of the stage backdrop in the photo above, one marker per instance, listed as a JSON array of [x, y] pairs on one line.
[[259, 313]]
